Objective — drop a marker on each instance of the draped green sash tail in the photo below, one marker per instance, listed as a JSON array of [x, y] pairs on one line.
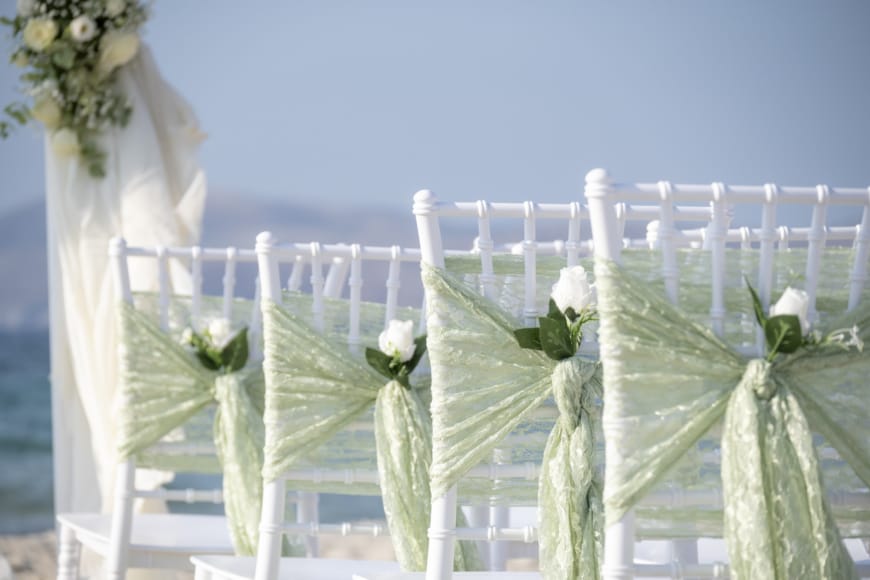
[[163, 386], [316, 387], [669, 380], [483, 386]]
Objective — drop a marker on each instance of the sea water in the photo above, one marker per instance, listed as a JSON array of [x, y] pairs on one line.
[[26, 496], [25, 433]]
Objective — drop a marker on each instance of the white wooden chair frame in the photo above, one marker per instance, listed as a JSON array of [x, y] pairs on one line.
[[110, 535], [604, 197], [428, 211]]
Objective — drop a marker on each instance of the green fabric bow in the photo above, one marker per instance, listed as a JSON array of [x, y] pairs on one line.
[[315, 389], [670, 380], [483, 386], [163, 386]]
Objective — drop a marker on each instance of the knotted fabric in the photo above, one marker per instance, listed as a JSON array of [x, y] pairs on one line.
[[315, 388], [669, 381], [163, 385], [484, 386]]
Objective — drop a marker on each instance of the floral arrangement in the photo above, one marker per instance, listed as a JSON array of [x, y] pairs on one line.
[[787, 328], [572, 304], [218, 347], [399, 352], [71, 50]]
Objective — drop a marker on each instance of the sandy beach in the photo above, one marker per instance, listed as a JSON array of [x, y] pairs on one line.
[[30, 556], [33, 556]]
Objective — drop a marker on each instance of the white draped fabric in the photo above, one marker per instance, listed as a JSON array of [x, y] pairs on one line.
[[153, 194]]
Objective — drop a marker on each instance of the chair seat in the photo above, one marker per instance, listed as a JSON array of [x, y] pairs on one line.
[[167, 533], [235, 568]]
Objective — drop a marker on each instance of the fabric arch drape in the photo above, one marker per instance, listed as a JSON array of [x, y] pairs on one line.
[[153, 194]]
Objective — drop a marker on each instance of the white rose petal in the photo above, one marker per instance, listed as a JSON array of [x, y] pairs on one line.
[[220, 332], [115, 8], [25, 7], [117, 49], [65, 143], [794, 302], [40, 33], [82, 29], [573, 290], [186, 336], [398, 339], [46, 111]]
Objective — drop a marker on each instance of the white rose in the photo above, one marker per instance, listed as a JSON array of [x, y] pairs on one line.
[[40, 33], [115, 7], [573, 290], [25, 7], [82, 29], [794, 302], [398, 339], [46, 111], [65, 143], [117, 49], [220, 332], [186, 336]]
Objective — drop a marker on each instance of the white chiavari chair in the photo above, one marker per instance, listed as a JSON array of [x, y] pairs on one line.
[[518, 277], [164, 540], [829, 262], [334, 305]]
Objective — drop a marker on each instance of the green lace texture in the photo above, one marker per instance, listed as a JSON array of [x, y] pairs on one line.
[[789, 430], [167, 392], [317, 389]]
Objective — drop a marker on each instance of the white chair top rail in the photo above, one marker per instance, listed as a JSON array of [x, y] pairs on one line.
[[120, 252], [544, 210], [652, 192]]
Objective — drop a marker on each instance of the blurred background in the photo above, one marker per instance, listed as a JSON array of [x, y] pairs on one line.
[[324, 117]]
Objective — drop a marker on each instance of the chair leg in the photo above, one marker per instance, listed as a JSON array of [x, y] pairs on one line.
[[68, 550], [122, 522]]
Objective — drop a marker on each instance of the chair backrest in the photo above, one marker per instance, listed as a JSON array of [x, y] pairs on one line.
[[334, 306], [177, 302], [524, 271], [832, 274]]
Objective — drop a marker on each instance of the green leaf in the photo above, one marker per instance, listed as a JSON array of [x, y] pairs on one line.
[[96, 169], [4, 129], [64, 58], [235, 354], [19, 112], [380, 362], [207, 361], [404, 380], [419, 351], [206, 355], [783, 334], [6, 21], [571, 314], [756, 304], [556, 338], [554, 313], [529, 338]]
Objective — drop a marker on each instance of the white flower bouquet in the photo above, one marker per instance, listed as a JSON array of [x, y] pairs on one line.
[[572, 304], [219, 347], [788, 328], [71, 50], [398, 352]]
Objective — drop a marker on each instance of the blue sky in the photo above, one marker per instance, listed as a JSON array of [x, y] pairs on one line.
[[366, 101]]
